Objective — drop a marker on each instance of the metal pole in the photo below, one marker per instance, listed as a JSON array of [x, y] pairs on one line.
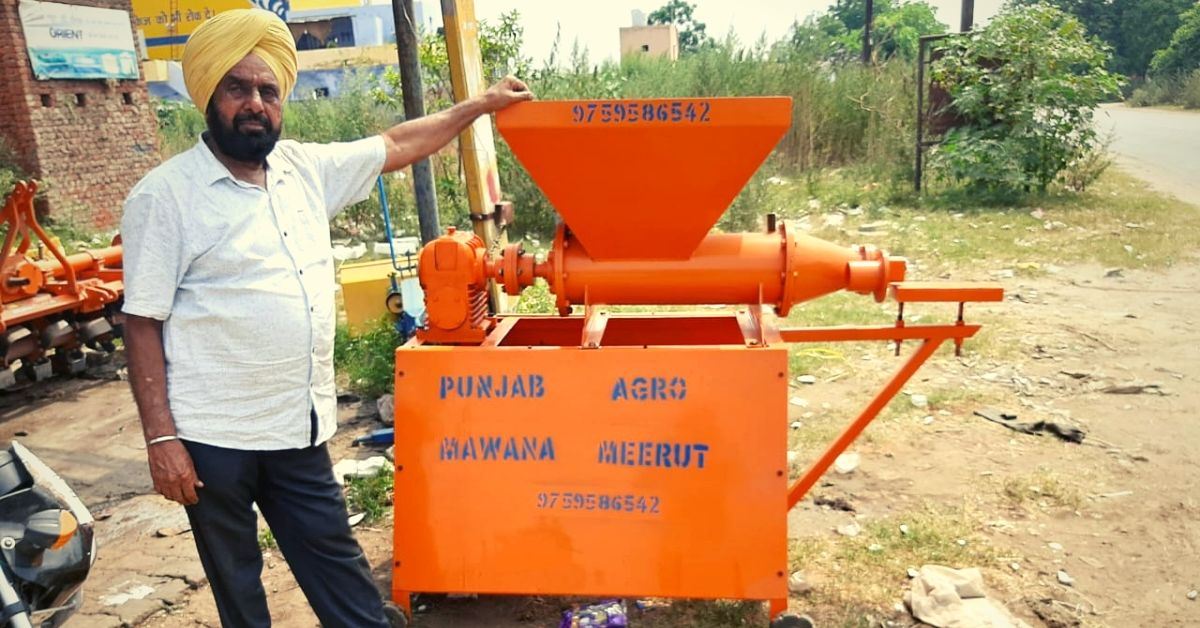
[[868, 25], [414, 107], [920, 165], [968, 15]]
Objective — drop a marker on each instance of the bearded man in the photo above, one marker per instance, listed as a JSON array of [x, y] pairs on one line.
[[229, 303]]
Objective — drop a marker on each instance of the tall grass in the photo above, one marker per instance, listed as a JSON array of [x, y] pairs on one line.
[[843, 114]]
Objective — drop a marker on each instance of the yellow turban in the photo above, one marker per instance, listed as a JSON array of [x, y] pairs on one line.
[[221, 42]]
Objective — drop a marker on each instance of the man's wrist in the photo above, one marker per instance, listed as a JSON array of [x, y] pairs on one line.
[[161, 439]]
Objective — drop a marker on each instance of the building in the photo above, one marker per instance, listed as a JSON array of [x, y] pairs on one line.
[[164, 25], [82, 121], [659, 40]]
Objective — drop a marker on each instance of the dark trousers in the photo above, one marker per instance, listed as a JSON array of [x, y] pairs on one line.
[[296, 493]]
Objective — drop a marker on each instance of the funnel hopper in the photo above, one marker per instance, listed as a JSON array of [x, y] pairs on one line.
[[643, 179]]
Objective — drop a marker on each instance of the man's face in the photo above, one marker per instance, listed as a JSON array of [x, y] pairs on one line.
[[245, 114]]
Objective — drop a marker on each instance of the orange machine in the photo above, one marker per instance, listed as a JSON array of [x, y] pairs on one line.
[[51, 307], [606, 454]]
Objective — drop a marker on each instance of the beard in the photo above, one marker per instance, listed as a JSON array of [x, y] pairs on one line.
[[249, 147]]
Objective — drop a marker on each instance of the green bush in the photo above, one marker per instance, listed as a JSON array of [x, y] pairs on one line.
[[371, 496], [1027, 86], [367, 361], [1155, 92], [1190, 94], [10, 170]]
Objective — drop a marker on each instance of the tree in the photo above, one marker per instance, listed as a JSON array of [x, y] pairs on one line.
[[1134, 28], [1026, 86], [1182, 55], [691, 32], [898, 27]]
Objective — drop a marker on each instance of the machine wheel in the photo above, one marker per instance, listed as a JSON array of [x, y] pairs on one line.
[[395, 617], [394, 303], [788, 620]]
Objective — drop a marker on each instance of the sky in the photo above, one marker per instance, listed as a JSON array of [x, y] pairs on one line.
[[595, 23]]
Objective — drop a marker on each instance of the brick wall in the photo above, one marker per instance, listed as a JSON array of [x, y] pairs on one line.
[[89, 140]]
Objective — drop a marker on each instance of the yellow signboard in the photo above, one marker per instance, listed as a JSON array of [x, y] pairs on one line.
[[166, 24]]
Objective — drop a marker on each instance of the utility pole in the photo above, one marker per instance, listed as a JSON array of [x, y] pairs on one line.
[[968, 16], [414, 107], [868, 25]]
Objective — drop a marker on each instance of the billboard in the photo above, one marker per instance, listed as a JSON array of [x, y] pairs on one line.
[[166, 24], [75, 42]]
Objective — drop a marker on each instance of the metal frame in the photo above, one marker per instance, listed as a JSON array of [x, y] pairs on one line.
[[923, 53]]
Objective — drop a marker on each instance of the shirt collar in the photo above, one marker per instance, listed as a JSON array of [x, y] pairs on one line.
[[212, 170]]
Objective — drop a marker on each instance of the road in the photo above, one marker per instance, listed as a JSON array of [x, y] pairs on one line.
[[1160, 146]]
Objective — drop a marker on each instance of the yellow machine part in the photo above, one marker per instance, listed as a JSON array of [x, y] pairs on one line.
[[365, 287]]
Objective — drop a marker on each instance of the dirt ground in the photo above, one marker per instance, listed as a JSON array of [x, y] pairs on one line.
[[1123, 518]]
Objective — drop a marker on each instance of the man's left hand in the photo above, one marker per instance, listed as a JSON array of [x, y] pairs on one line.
[[509, 90]]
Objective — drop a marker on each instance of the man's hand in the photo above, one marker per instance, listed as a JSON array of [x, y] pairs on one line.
[[173, 473], [509, 90]]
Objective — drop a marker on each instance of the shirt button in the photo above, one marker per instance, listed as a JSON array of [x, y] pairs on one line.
[[285, 234], [301, 271]]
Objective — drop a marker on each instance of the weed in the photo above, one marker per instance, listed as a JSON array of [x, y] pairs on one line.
[[709, 614], [365, 363], [1043, 489], [863, 575], [371, 495], [266, 539]]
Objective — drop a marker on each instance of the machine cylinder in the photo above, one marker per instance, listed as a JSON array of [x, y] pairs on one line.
[[725, 268]]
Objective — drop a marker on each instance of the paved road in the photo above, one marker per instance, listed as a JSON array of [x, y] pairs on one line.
[[1158, 145]]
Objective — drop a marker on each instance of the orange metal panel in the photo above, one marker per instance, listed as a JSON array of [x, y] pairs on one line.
[[881, 332], [623, 471], [626, 173], [946, 292]]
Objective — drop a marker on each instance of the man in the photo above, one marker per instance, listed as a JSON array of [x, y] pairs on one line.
[[230, 318]]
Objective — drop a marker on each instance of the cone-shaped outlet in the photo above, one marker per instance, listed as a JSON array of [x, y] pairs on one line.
[[643, 179]]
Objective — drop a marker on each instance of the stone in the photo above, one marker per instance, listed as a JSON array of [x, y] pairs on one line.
[[1055, 546], [850, 529], [904, 529], [874, 547], [912, 572], [168, 532], [387, 409], [134, 612], [919, 401], [793, 457], [798, 585], [358, 468], [1193, 594], [1015, 566], [846, 463], [799, 401], [928, 420], [797, 425], [356, 519], [1065, 578], [1113, 272], [807, 379], [171, 591]]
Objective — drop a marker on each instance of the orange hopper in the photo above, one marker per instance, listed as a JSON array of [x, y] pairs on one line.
[[638, 199]]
